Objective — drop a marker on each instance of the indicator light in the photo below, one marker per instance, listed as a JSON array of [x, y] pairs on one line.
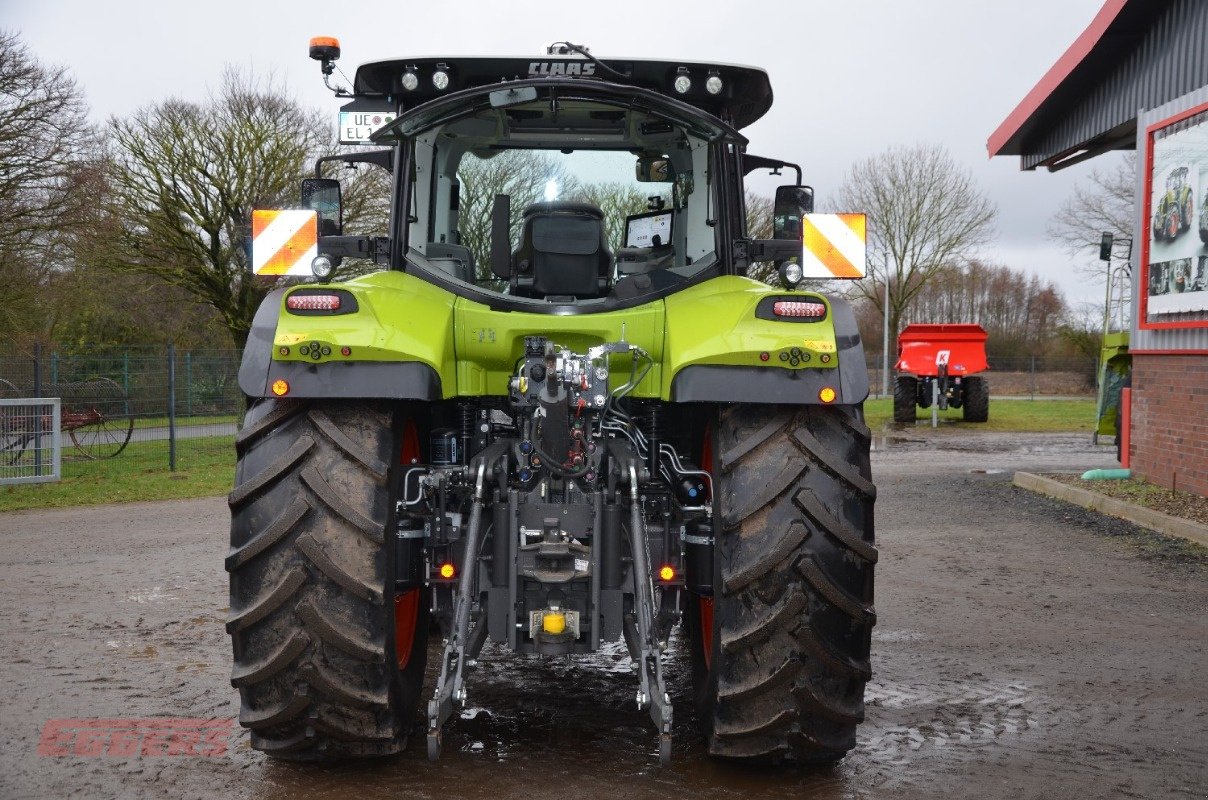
[[283, 351], [827, 394], [447, 571], [825, 358], [667, 573], [553, 622], [798, 308], [764, 356], [280, 387], [313, 302], [345, 351]]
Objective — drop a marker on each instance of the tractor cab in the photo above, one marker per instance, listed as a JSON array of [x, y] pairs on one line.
[[1177, 179], [565, 181]]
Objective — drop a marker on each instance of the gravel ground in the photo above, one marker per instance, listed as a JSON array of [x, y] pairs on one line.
[[1024, 649]]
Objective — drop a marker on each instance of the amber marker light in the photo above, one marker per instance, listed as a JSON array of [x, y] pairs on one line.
[[447, 571], [827, 395], [667, 573], [280, 387]]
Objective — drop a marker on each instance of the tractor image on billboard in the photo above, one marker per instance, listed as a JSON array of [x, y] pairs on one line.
[[1174, 211], [938, 364], [551, 422]]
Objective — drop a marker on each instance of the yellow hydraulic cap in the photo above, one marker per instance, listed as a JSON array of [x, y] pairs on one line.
[[553, 622]]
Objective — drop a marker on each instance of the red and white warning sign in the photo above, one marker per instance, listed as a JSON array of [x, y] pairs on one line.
[[834, 245], [284, 242]]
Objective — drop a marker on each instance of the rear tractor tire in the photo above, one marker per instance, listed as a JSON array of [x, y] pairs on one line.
[[313, 617], [905, 398], [977, 400], [781, 651]]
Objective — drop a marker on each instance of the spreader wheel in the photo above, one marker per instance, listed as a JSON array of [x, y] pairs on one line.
[[905, 398], [977, 400]]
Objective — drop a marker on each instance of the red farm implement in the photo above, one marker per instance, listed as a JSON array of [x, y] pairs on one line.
[[938, 364], [96, 418]]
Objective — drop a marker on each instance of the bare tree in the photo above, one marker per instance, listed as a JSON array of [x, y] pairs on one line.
[[46, 144], [1104, 202], [759, 226], [924, 213], [186, 176]]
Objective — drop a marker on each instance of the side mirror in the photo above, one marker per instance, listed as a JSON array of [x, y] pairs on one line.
[[653, 169], [792, 203], [323, 195], [791, 206]]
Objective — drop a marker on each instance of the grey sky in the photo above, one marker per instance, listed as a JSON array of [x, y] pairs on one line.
[[851, 77]]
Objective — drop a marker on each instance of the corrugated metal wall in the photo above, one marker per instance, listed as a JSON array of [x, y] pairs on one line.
[[1165, 338], [1171, 61]]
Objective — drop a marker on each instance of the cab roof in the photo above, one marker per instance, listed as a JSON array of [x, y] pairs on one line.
[[745, 96]]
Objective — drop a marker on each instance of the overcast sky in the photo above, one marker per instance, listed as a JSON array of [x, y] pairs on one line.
[[851, 77]]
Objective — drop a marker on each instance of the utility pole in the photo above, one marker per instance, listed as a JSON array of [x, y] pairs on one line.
[[885, 337]]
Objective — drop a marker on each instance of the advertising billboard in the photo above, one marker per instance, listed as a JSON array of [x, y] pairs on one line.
[[1175, 258]]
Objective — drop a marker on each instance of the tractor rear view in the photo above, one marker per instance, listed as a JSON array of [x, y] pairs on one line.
[[938, 364], [556, 419]]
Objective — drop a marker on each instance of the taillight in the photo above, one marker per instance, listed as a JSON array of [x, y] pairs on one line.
[[798, 308], [313, 302]]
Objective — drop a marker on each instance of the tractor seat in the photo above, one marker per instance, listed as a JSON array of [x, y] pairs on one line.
[[562, 252]]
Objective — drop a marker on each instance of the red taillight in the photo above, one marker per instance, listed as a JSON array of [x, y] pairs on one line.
[[798, 308], [313, 302]]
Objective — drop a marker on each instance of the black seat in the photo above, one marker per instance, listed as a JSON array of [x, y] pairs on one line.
[[562, 252]]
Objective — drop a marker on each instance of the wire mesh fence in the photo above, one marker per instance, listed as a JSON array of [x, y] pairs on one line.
[[1025, 377], [159, 408], [134, 409]]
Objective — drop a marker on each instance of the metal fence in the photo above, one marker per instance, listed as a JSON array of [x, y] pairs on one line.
[[30, 440], [134, 409], [157, 408], [1018, 376]]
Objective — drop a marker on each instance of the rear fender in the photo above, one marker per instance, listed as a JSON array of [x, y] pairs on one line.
[[719, 349], [395, 342]]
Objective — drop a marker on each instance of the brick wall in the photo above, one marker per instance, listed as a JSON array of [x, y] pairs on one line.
[[1169, 444]]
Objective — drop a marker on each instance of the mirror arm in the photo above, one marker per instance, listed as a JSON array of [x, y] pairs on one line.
[[376, 248], [773, 249]]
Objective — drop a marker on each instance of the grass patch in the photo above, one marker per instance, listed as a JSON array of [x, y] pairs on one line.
[[181, 421], [1041, 416], [205, 467]]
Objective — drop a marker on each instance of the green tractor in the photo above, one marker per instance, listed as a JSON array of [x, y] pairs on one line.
[[1175, 209], [561, 415]]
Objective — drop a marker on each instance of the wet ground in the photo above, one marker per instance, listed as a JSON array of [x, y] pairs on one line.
[[1024, 649]]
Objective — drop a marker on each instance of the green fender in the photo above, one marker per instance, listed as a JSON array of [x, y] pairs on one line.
[[397, 336]]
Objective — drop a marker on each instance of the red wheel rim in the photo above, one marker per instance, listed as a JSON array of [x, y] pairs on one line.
[[406, 605], [406, 612], [1173, 227]]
